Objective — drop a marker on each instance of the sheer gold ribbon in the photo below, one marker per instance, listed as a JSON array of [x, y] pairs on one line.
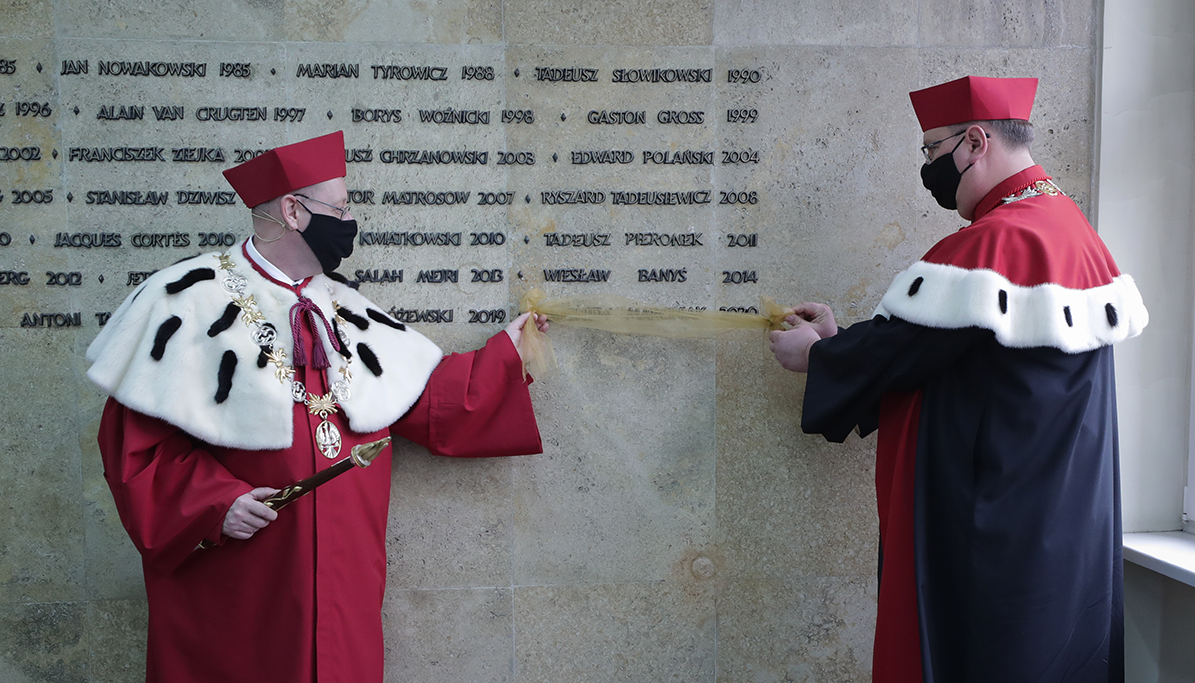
[[619, 314]]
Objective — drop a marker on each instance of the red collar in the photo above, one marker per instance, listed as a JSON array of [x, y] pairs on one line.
[[1010, 185], [297, 289]]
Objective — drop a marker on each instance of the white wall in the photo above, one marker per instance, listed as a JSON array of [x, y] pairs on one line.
[[1147, 154]]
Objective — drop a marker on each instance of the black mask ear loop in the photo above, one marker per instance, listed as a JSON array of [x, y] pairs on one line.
[[960, 142]]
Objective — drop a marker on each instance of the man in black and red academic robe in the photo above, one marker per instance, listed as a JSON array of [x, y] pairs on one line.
[[233, 375], [988, 371]]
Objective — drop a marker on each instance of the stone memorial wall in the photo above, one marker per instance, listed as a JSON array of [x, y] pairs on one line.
[[678, 525]]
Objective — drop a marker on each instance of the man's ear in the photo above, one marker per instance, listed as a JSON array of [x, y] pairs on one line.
[[291, 210], [977, 142]]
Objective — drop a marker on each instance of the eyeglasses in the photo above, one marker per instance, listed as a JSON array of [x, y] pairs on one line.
[[926, 149], [340, 210]]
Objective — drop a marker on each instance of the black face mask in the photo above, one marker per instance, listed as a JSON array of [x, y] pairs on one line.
[[941, 177], [330, 239]]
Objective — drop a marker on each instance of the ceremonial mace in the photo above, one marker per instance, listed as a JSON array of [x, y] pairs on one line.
[[360, 456]]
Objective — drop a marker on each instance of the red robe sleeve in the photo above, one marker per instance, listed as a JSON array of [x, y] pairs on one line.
[[170, 494], [475, 405]]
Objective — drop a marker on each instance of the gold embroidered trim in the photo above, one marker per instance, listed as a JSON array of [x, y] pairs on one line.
[[1035, 190]]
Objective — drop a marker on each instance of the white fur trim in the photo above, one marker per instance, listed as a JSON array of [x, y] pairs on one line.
[[950, 297], [181, 387]]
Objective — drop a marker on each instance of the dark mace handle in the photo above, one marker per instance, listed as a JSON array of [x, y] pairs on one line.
[[360, 456]]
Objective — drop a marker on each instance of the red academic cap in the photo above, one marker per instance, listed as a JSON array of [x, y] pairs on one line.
[[974, 98], [288, 168]]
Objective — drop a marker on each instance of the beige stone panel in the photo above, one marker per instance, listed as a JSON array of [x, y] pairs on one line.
[[661, 631], [450, 521], [114, 266], [562, 129], [97, 298], [440, 312], [399, 21], [111, 562], [29, 113], [407, 233], [44, 643], [141, 238], [444, 636], [611, 493], [464, 337], [480, 272], [619, 22], [816, 629], [550, 98], [31, 196], [639, 272], [117, 631], [172, 19], [481, 280], [746, 109], [100, 87], [36, 264], [789, 504], [27, 19], [41, 540], [1013, 23], [397, 88], [808, 22], [625, 485], [840, 206], [1063, 111], [476, 308], [479, 269]]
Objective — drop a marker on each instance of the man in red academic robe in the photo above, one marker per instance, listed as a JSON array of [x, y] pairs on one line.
[[988, 372], [233, 375]]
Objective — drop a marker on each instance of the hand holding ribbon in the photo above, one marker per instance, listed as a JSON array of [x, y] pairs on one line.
[[615, 313]]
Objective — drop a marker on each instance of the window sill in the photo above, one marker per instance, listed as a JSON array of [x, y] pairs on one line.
[[1169, 553]]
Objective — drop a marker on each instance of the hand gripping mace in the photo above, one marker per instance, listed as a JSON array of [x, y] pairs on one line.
[[360, 456]]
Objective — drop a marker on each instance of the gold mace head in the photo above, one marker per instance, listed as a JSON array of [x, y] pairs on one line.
[[364, 453]]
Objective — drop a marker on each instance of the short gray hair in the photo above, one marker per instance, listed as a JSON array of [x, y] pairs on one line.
[[1016, 133]]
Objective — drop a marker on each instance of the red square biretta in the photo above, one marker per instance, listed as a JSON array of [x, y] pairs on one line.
[[974, 98], [288, 168]]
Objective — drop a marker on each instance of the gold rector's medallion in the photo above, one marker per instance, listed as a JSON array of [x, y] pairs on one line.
[[327, 437]]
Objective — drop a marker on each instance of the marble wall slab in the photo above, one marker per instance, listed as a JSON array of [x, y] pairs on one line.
[[46, 641], [678, 526], [112, 626], [41, 540], [28, 18], [808, 22], [450, 635], [615, 22], [1019, 23], [628, 631]]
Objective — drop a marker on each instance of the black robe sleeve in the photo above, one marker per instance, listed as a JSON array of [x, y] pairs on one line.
[[849, 372]]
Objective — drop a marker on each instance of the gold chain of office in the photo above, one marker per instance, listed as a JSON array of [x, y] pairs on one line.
[[264, 334]]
